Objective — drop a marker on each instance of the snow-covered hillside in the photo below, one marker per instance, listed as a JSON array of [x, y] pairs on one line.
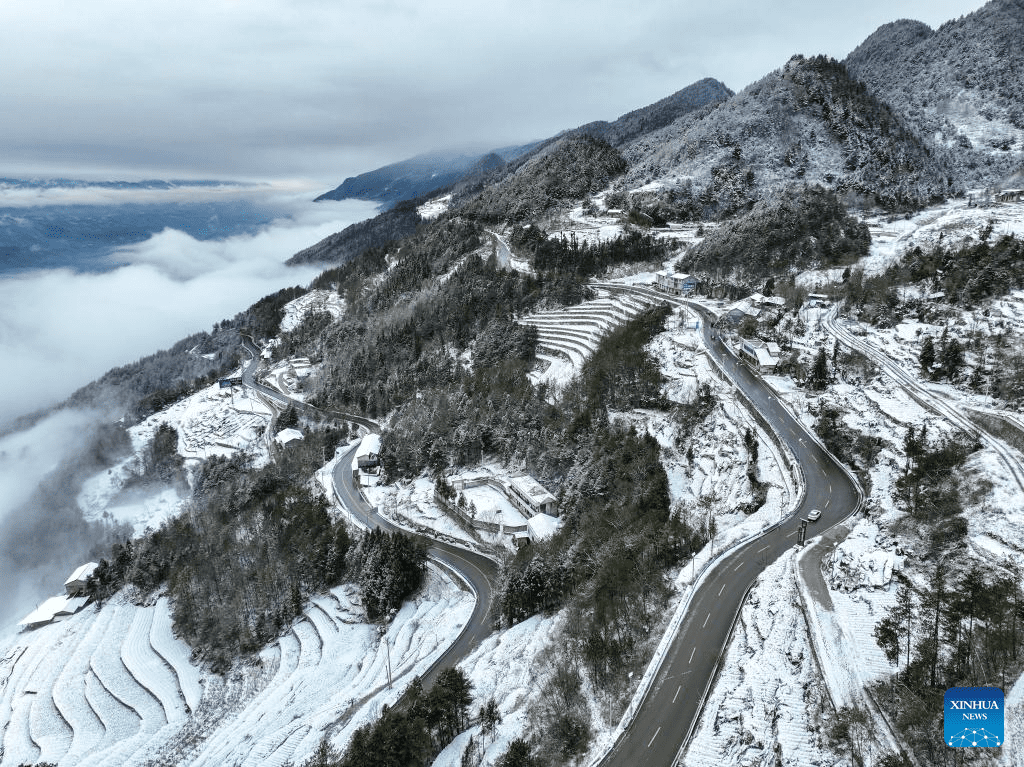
[[114, 686]]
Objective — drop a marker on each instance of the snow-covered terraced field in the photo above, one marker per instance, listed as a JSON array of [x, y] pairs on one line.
[[295, 311], [114, 686], [89, 690], [567, 337]]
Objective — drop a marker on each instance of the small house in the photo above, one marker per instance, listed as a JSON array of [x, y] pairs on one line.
[[817, 300], [758, 354], [75, 584], [287, 435], [367, 457], [742, 310]]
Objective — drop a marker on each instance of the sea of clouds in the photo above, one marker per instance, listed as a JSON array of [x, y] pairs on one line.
[[60, 329]]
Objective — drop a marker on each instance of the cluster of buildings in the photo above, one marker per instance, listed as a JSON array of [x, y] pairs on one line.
[[537, 507]]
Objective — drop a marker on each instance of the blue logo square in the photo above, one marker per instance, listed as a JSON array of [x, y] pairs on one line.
[[973, 717]]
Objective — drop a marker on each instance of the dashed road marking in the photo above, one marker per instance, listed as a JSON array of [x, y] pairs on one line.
[[680, 687], [654, 736], [763, 548], [691, 655], [706, 622]]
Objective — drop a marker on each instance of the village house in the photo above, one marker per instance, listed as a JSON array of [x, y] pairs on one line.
[[675, 282], [817, 300], [75, 584], [764, 357], [366, 461]]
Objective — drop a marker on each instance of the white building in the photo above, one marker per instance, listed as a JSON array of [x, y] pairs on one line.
[[676, 283], [530, 496], [287, 435], [366, 461]]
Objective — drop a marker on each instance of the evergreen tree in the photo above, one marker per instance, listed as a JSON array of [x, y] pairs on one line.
[[819, 371], [952, 358], [927, 356]]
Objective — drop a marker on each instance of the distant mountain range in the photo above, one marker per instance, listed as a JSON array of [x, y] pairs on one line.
[[912, 116], [420, 175], [75, 183]]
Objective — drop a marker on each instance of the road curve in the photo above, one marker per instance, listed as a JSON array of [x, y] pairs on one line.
[[669, 713], [476, 571]]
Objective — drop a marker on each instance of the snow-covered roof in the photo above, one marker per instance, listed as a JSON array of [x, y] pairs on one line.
[[72, 605], [46, 612], [287, 435], [774, 349], [369, 446], [743, 306], [532, 489], [762, 352], [542, 526], [664, 273], [764, 357], [81, 573]]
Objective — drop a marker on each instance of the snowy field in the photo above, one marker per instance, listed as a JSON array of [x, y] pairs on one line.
[[212, 421], [209, 422], [431, 209], [313, 301]]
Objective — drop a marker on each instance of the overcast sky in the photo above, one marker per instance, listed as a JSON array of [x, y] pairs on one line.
[[272, 89]]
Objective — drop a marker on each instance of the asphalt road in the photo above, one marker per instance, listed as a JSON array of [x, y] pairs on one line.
[[476, 571], [672, 707]]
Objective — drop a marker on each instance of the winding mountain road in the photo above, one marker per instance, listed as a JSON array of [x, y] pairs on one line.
[[476, 571], [670, 710], [668, 715]]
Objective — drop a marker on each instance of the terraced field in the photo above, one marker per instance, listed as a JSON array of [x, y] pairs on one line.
[[96, 688], [115, 687], [567, 337]]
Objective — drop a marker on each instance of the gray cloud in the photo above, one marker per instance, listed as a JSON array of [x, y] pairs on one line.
[[265, 88]]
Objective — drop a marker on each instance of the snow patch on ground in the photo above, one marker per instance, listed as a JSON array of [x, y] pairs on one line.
[[506, 667], [431, 209], [862, 559], [313, 301]]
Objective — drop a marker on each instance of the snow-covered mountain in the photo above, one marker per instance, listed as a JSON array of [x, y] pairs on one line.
[[808, 122], [962, 85]]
